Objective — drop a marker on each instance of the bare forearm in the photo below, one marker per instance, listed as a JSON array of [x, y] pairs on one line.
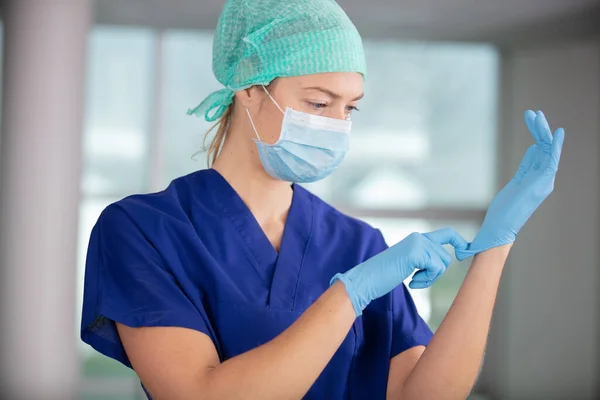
[[449, 366], [287, 366]]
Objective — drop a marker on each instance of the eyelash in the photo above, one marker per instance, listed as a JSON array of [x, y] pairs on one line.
[[317, 106], [320, 106]]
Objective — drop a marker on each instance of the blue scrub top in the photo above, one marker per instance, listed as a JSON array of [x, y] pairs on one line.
[[194, 256]]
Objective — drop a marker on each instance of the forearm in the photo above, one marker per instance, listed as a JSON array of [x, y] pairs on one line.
[[287, 366], [449, 366]]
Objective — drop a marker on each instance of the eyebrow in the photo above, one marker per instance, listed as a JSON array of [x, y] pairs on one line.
[[332, 94]]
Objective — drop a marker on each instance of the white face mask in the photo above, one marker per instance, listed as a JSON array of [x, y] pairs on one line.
[[310, 147]]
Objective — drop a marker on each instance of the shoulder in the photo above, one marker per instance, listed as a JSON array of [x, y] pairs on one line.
[[172, 203]]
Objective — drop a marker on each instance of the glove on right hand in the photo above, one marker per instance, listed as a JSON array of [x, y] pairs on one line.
[[380, 274]]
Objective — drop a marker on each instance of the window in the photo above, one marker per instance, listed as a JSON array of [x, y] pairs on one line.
[[116, 158], [423, 145]]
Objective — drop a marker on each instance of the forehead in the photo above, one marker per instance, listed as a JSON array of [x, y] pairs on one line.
[[345, 84]]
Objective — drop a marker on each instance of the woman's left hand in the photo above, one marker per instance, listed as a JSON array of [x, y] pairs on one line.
[[533, 182]]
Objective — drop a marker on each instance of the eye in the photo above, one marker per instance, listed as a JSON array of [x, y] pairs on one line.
[[350, 110], [317, 106]]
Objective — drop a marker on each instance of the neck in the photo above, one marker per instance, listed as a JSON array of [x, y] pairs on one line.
[[267, 198]]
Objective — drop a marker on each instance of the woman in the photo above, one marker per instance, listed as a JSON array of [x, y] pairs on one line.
[[232, 283]]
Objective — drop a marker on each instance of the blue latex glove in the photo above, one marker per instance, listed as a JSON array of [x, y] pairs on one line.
[[534, 181], [380, 274]]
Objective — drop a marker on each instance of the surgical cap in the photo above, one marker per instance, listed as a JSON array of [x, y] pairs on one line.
[[257, 41]]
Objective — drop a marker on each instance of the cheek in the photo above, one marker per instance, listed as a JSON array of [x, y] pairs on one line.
[[269, 127]]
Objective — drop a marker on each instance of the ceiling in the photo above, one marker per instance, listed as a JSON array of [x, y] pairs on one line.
[[486, 20]]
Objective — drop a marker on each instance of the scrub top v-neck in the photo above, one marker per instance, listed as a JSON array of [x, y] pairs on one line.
[[194, 256], [278, 271]]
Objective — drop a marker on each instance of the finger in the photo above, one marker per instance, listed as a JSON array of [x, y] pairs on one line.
[[447, 236], [426, 275], [444, 256], [543, 129], [430, 272], [557, 145], [422, 281], [526, 163], [419, 285], [429, 275], [530, 121]]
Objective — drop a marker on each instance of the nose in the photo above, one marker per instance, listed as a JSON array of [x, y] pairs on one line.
[[338, 112]]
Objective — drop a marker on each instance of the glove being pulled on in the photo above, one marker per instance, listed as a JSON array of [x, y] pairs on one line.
[[533, 182]]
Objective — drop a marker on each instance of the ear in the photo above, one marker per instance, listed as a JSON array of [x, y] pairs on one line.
[[250, 97]]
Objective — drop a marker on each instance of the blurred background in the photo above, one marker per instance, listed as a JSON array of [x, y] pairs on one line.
[[94, 99]]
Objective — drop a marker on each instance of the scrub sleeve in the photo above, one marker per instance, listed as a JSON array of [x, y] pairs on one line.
[[127, 282]]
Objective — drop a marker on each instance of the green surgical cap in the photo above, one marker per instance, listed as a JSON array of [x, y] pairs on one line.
[[257, 41]]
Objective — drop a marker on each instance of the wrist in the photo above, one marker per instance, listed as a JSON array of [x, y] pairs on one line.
[[486, 240], [346, 282], [500, 252], [338, 291]]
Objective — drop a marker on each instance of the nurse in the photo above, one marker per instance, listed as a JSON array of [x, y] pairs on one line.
[[236, 283]]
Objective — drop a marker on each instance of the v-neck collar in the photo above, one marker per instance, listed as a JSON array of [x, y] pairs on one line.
[[279, 270]]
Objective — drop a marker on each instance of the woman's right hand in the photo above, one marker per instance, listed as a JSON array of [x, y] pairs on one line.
[[380, 274]]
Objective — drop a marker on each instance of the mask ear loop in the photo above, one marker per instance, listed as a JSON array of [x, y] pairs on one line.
[[250, 117], [253, 126], [272, 99]]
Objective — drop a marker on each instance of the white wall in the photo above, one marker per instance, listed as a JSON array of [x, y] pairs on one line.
[[545, 340]]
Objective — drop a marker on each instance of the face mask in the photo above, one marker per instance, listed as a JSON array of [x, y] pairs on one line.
[[309, 148]]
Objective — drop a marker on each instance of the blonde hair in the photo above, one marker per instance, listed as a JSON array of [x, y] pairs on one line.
[[217, 141]]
